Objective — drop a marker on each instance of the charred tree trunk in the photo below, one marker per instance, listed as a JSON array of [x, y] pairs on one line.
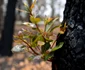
[[7, 34], [1, 16], [72, 55]]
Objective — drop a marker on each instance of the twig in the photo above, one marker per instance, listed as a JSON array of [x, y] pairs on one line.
[[29, 46], [53, 44], [40, 32]]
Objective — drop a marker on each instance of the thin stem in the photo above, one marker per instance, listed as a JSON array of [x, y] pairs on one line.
[[22, 10], [53, 44], [38, 48], [45, 27], [29, 47], [55, 40], [32, 53], [38, 28], [40, 32]]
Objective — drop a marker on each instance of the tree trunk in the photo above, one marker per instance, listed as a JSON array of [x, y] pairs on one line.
[[1, 16], [7, 34], [72, 55]]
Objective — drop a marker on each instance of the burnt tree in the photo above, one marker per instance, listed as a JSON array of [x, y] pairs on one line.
[[72, 55], [1, 16], [7, 33]]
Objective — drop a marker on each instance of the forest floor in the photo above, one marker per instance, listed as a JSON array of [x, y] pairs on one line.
[[19, 61]]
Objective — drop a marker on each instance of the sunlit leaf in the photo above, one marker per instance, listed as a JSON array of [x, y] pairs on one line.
[[26, 23], [57, 47], [34, 19], [54, 28], [36, 39], [50, 24], [26, 7], [29, 24], [48, 20], [37, 20], [63, 29], [25, 4], [33, 4], [41, 43]]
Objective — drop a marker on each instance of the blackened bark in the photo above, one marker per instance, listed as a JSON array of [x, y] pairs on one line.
[[72, 55], [7, 35], [1, 16]]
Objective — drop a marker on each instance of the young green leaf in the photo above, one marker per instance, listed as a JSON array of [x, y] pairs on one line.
[[54, 28], [50, 24], [36, 39], [63, 29], [57, 47], [45, 47], [33, 4], [34, 19], [48, 20], [26, 7], [47, 56]]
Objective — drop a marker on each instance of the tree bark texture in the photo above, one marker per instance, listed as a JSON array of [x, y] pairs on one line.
[[72, 55], [7, 34]]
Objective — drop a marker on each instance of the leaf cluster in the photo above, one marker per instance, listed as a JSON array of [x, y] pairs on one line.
[[37, 40]]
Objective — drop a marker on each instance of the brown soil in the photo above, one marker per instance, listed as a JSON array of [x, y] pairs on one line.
[[20, 62]]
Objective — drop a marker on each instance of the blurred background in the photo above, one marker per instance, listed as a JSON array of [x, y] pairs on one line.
[[11, 22]]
